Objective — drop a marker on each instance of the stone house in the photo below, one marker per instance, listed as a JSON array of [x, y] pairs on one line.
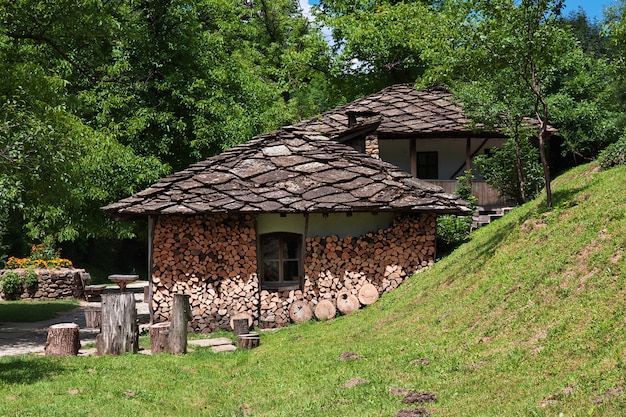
[[290, 216]]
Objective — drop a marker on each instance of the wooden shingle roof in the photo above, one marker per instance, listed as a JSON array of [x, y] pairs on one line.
[[288, 171], [404, 111]]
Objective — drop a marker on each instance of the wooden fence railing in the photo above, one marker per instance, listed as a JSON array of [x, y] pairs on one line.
[[487, 196]]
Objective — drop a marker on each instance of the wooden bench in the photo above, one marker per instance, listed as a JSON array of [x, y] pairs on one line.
[[93, 293]]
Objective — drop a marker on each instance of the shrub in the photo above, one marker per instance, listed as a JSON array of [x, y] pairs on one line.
[[12, 283], [31, 278], [614, 154], [453, 230]]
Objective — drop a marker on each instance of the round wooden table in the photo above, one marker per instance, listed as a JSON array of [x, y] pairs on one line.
[[122, 280]]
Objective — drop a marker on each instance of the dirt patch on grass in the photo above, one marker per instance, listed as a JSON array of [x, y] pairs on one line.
[[416, 412], [609, 394], [532, 225], [554, 398], [419, 398], [345, 356], [356, 381]]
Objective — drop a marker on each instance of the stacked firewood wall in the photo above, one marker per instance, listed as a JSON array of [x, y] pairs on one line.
[[332, 265], [212, 259]]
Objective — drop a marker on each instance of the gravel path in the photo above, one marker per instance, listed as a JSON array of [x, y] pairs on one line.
[[22, 338]]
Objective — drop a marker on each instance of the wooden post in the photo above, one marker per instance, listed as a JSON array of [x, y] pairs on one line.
[[119, 325], [93, 317], [240, 326], [63, 340], [181, 313], [159, 337]]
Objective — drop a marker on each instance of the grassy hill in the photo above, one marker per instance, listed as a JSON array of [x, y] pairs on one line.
[[526, 319]]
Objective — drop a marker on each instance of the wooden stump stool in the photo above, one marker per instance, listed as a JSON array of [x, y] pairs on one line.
[[63, 340], [159, 337], [93, 317], [119, 325], [242, 315], [240, 326], [248, 341]]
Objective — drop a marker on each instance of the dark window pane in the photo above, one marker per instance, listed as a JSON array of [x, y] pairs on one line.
[[290, 271], [290, 246], [270, 271], [427, 165], [270, 247]]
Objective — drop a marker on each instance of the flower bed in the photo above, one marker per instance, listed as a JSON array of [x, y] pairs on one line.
[[15, 263]]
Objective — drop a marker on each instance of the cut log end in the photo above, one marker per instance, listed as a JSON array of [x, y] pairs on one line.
[[325, 310], [368, 294], [347, 303], [299, 312]]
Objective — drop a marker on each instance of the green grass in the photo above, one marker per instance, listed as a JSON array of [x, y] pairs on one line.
[[30, 311], [527, 319]]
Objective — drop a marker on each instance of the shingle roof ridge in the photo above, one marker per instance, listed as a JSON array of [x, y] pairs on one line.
[[288, 170]]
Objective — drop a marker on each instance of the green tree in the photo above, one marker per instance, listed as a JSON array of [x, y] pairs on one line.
[[100, 98], [512, 42], [377, 43]]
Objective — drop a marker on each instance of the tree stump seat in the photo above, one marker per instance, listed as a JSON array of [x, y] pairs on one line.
[[63, 340]]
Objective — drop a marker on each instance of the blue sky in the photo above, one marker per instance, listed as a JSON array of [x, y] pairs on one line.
[[592, 7]]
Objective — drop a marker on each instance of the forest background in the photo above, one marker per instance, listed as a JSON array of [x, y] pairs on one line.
[[99, 99]]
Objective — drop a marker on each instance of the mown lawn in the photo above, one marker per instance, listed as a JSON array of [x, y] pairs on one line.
[[527, 319], [31, 311]]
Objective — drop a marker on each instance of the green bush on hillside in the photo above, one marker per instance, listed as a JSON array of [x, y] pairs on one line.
[[614, 154]]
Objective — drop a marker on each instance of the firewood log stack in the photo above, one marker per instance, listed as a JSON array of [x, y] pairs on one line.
[[212, 258], [333, 265]]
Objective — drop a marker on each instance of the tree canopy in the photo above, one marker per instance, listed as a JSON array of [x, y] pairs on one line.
[[100, 98]]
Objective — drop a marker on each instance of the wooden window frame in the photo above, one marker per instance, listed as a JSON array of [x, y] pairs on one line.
[[429, 166], [281, 283]]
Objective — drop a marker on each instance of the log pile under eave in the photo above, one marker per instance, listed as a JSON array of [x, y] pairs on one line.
[[213, 260]]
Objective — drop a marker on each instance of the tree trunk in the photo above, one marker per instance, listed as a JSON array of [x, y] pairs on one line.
[[518, 165], [181, 314], [63, 340], [119, 325], [159, 337]]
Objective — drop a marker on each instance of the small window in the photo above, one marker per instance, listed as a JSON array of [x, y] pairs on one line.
[[281, 260], [427, 165]]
